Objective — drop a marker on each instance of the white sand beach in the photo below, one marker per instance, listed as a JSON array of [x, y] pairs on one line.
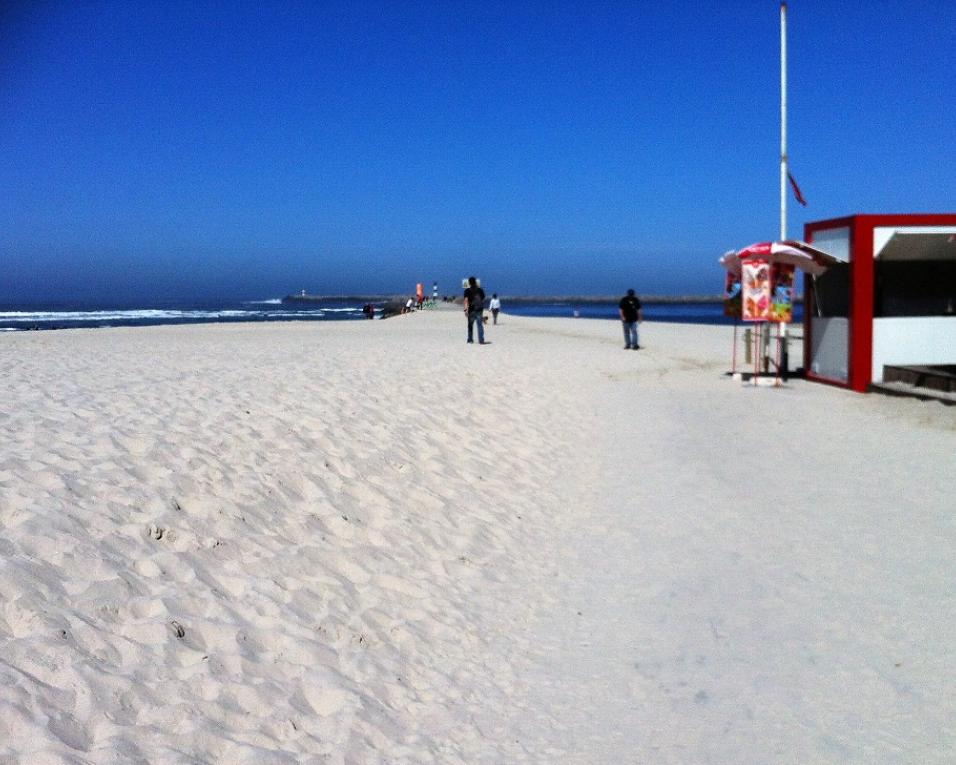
[[368, 542]]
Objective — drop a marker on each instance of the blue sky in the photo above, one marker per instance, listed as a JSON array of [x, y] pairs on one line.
[[206, 149]]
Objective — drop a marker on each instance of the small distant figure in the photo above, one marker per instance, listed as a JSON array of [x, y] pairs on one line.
[[474, 309], [409, 305], [421, 301], [495, 306], [369, 311], [632, 313]]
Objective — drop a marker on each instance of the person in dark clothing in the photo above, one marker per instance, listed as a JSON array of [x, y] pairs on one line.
[[474, 309], [632, 313]]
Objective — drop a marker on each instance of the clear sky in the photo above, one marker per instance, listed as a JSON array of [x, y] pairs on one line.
[[249, 149]]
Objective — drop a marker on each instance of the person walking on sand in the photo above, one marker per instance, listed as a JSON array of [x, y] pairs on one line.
[[495, 306], [474, 308], [632, 313]]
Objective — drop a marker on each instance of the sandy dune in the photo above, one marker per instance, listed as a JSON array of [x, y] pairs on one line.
[[367, 542]]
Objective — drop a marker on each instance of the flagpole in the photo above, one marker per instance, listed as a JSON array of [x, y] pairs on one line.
[[783, 120], [784, 355]]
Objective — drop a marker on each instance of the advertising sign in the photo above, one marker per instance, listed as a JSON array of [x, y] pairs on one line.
[[732, 295], [781, 303], [756, 289]]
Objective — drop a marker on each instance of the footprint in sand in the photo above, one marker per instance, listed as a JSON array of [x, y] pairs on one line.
[[400, 586], [324, 701], [70, 732]]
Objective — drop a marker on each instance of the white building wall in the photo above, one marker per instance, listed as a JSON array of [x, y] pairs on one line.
[[912, 340], [829, 347], [829, 337], [835, 241]]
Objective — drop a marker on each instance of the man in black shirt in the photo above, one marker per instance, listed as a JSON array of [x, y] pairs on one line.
[[475, 309], [631, 313]]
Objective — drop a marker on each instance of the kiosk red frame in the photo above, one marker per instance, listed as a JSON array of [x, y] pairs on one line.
[[861, 261]]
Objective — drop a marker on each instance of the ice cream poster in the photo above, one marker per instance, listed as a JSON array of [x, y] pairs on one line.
[[781, 303], [756, 290], [732, 295]]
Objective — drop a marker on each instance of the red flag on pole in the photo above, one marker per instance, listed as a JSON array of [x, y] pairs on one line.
[[796, 191]]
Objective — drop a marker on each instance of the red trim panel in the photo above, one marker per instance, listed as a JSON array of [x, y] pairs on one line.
[[861, 305]]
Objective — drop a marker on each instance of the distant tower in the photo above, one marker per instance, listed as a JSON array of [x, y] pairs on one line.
[[435, 291]]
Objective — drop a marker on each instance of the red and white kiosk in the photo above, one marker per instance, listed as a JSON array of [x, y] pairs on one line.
[[891, 299]]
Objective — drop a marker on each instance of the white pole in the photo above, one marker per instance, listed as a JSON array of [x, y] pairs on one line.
[[783, 160], [783, 120]]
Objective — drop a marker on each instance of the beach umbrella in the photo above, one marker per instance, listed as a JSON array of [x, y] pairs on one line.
[[757, 293], [800, 254]]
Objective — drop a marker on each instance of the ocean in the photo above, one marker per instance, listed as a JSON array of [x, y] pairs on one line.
[[51, 316], [679, 312]]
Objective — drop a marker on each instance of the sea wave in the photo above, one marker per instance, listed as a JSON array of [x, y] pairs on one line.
[[132, 315], [27, 319]]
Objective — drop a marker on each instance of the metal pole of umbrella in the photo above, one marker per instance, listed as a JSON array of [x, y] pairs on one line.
[[733, 362]]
